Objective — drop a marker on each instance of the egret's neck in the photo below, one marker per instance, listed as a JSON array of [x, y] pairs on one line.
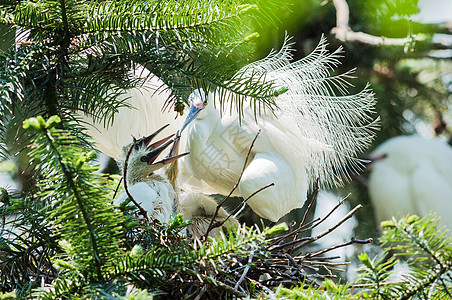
[[202, 127], [133, 178]]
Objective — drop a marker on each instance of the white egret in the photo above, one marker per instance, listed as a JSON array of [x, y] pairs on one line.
[[313, 133], [155, 192], [412, 175]]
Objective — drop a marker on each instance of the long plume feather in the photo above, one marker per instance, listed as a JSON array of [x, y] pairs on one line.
[[333, 126]]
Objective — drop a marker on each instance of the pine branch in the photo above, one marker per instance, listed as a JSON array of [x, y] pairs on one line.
[[429, 253], [82, 214]]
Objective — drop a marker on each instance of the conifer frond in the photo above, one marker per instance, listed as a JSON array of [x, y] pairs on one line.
[[428, 252], [71, 52], [27, 244], [87, 224]]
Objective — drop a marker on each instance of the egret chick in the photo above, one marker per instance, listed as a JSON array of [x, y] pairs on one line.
[[149, 187], [155, 190]]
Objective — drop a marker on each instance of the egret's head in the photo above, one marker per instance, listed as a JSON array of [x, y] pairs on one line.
[[143, 156], [198, 102]]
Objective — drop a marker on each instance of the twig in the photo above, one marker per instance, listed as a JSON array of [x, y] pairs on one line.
[[314, 198], [322, 234], [331, 211], [142, 212], [248, 265], [203, 290], [352, 241], [220, 284], [218, 224], [291, 243], [372, 285], [233, 189], [344, 33], [117, 187], [301, 228]]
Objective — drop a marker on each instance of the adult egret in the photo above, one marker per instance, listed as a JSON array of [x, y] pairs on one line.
[[312, 134], [156, 193], [412, 175]]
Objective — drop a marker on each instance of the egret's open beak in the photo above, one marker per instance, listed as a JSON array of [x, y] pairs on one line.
[[159, 143], [192, 113], [149, 138], [156, 148], [173, 154], [155, 152]]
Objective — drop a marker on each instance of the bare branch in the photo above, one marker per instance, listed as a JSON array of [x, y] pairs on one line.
[[117, 187], [219, 224], [314, 198], [233, 189], [201, 293], [344, 33], [322, 234], [248, 265], [143, 212], [352, 241]]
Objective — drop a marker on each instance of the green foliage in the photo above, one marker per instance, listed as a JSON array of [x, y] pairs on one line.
[[76, 54], [65, 238], [86, 248], [328, 290], [27, 243], [82, 246], [426, 249], [67, 182]]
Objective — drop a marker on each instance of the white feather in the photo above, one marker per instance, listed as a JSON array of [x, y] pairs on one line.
[[336, 128], [415, 177], [152, 198], [145, 116]]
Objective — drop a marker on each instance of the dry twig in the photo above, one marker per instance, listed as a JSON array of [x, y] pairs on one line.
[[211, 225], [142, 212], [344, 33]]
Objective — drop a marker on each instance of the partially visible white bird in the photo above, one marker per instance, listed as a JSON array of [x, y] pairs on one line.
[[412, 175], [144, 115], [313, 133], [156, 192]]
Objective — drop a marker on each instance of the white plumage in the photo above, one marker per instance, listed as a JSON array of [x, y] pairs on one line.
[[313, 133], [414, 177]]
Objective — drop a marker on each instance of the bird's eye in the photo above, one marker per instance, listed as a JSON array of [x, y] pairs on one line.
[[144, 159]]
